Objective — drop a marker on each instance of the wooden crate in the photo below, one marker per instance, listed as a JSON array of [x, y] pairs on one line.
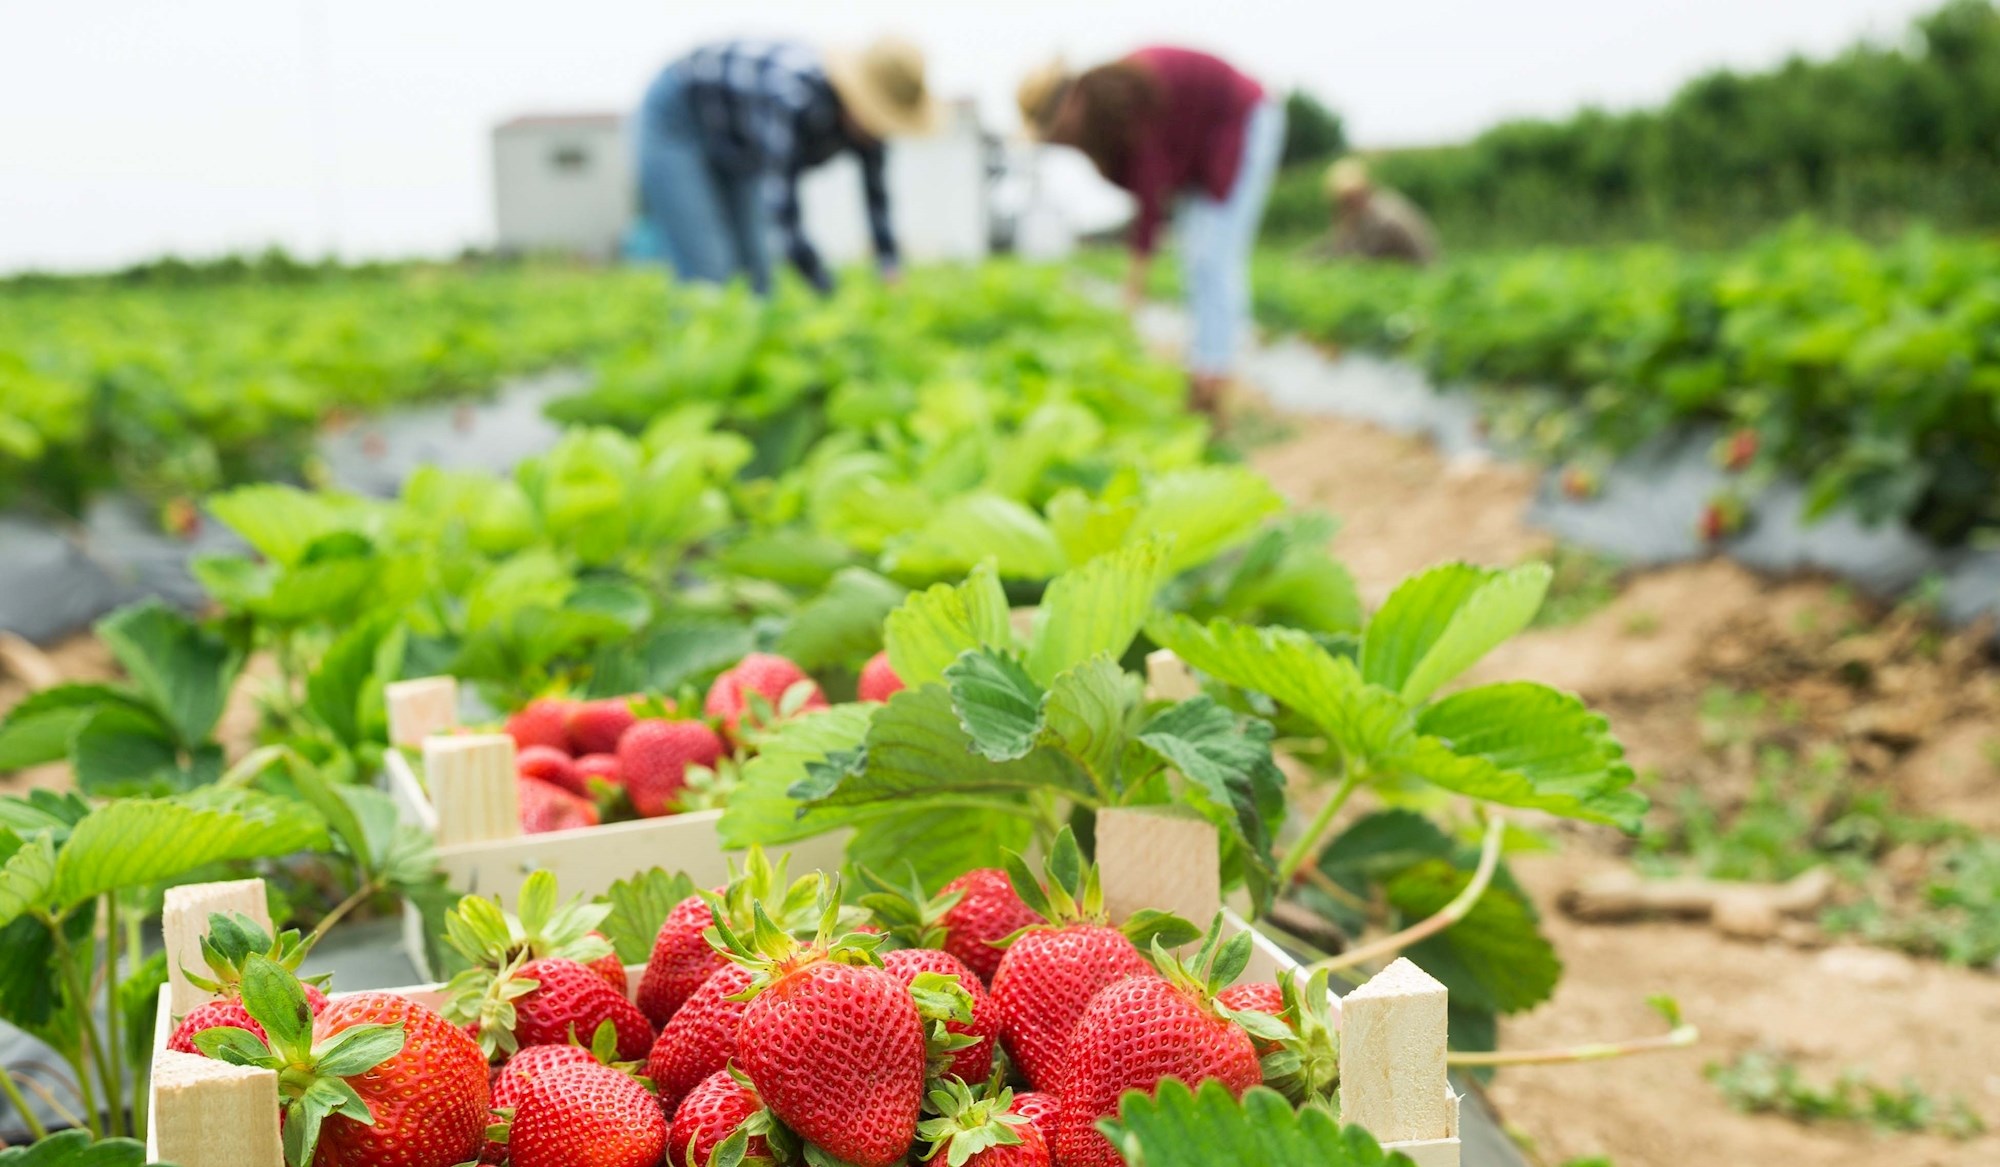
[[1392, 1060], [468, 806]]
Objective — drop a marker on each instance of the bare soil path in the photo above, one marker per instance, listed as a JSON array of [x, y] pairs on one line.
[[1921, 723]]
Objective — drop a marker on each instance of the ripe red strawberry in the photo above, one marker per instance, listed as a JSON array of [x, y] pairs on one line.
[[510, 1082], [229, 1011], [700, 1038], [429, 1101], [586, 1115], [1050, 975], [594, 727], [879, 681], [540, 723], [569, 1004], [611, 969], [603, 767], [1579, 483], [975, 1062], [1255, 997], [549, 765], [545, 808], [1145, 1029], [681, 960], [767, 676], [711, 1113], [837, 1053], [987, 911], [654, 757], [1040, 1109], [980, 1132], [1741, 450]]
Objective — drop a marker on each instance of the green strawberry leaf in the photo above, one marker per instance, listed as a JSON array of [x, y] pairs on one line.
[[930, 629], [761, 809], [41, 727], [151, 840], [184, 671], [1437, 624], [843, 624], [1525, 744], [973, 529], [75, 1148], [1183, 1128], [345, 690], [639, 906], [29, 874], [1096, 608], [125, 751], [1237, 785], [1364, 721], [1202, 511], [941, 842], [997, 702]]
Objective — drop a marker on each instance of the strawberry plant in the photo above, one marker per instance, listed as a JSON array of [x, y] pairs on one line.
[[72, 882], [154, 735], [1000, 736]]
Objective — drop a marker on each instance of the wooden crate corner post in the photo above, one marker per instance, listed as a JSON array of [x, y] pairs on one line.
[[201, 1112], [1392, 1065], [472, 787], [1168, 677], [421, 708], [184, 921]]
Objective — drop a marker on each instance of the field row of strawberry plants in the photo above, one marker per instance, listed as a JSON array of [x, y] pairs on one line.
[[889, 568], [175, 391], [1870, 372]]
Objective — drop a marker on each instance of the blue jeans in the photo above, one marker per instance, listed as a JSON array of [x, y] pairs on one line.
[[712, 222], [1216, 240]]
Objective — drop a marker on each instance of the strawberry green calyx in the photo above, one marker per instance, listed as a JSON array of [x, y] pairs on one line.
[[228, 944], [968, 1123], [912, 918], [1304, 1059], [771, 953], [312, 1077], [941, 1000], [491, 937], [485, 997], [762, 883], [1074, 894], [1214, 968], [785, 1147]]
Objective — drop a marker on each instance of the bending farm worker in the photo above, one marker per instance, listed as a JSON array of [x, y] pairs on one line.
[[726, 133], [1173, 126], [1370, 222]]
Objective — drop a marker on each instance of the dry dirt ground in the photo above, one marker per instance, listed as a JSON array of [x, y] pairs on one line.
[[1923, 724]]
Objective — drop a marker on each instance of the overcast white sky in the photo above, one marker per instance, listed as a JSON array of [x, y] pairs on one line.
[[134, 127]]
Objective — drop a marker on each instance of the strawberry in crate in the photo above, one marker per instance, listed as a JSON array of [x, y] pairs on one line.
[[370, 1078], [544, 976]]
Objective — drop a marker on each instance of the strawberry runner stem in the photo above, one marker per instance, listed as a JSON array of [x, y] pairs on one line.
[[36, 1131], [1307, 849], [88, 1046], [1680, 1037], [1451, 913]]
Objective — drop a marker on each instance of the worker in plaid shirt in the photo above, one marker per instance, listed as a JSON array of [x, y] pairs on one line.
[[727, 132]]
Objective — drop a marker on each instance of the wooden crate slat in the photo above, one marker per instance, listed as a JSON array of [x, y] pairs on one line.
[[206, 1113], [472, 787]]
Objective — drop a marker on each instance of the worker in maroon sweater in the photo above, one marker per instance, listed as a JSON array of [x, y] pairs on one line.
[[1185, 132]]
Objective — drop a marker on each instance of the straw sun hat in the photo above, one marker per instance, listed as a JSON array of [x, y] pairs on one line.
[[1040, 92], [1349, 176], [883, 87]]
